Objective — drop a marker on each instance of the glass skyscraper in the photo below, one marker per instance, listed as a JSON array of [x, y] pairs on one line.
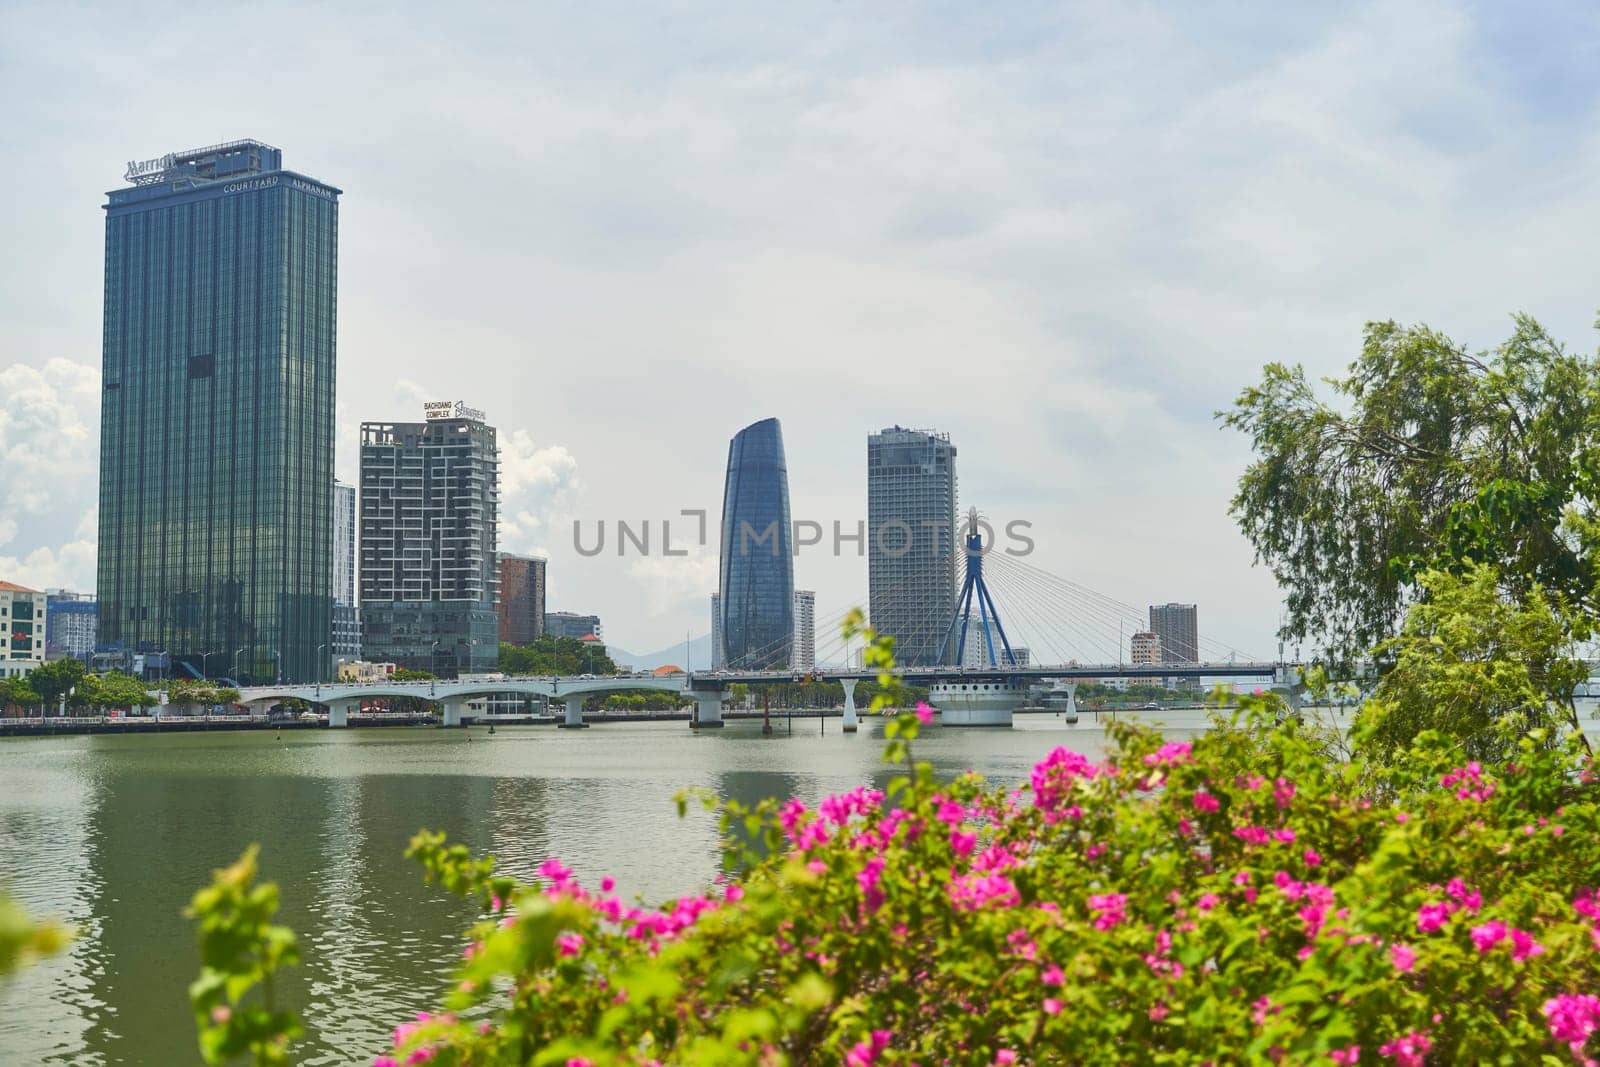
[[755, 585], [216, 432], [911, 537]]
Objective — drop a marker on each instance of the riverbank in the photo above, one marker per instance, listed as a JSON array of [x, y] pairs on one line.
[[183, 724]]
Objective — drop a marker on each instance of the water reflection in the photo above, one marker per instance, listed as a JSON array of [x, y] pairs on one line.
[[115, 833]]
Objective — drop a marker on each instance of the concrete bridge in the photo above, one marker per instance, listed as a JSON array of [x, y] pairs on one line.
[[965, 696], [344, 698]]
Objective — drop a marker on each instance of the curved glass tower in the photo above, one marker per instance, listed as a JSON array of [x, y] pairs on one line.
[[756, 578]]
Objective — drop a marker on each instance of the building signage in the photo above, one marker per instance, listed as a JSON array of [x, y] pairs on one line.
[[450, 409], [138, 168], [251, 183], [307, 187]]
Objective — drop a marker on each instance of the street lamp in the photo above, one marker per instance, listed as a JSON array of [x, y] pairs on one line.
[[204, 674], [319, 665], [236, 662]]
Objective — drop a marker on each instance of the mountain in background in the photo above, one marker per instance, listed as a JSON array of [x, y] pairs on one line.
[[697, 658]]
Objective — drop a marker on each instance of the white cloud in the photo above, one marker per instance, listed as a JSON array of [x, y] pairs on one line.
[[49, 480], [539, 489], [1067, 235]]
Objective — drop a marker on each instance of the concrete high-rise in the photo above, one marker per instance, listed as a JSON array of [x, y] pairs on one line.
[[719, 658], [71, 626], [344, 641], [1144, 649], [756, 569], [344, 544], [911, 538], [430, 575], [216, 417], [1176, 627], [522, 584], [805, 630]]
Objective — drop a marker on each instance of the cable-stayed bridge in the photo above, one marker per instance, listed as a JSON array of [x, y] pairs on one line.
[[1013, 626]]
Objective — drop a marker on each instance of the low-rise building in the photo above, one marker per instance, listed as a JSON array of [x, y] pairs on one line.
[[24, 613], [362, 671], [571, 624]]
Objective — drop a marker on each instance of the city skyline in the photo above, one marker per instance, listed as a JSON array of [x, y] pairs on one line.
[[796, 199]]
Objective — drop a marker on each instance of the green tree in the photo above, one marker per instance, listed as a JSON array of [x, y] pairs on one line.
[[184, 693], [55, 679], [118, 690], [1483, 670], [1427, 456], [556, 655], [402, 674], [16, 692]]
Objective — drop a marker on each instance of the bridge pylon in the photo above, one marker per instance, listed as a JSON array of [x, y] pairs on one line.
[[974, 590]]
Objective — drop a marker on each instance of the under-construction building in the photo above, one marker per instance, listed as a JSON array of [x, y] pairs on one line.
[[429, 570]]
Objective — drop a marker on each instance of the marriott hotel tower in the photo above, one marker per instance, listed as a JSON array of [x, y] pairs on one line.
[[216, 425]]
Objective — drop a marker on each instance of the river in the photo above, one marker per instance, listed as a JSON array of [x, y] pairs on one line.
[[114, 834]]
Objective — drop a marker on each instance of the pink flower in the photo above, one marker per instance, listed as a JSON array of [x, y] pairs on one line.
[[1052, 976], [1350, 1055], [1470, 899], [963, 842], [1488, 935], [1283, 792], [1157, 1012], [1523, 946], [1572, 1018], [868, 878], [607, 884], [1313, 858], [733, 894], [1407, 1050], [1404, 957], [1108, 909], [1204, 801], [1052, 1006], [789, 814], [865, 1052], [552, 871], [924, 713], [974, 891], [569, 944], [1003, 1057], [1432, 916], [221, 1014], [1285, 835], [1207, 901], [1054, 778]]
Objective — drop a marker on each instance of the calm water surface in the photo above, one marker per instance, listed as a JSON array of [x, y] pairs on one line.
[[115, 833]]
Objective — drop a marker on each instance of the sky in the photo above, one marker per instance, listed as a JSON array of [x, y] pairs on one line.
[[1065, 234]]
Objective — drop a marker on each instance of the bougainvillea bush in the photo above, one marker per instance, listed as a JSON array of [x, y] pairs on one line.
[[1240, 897]]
